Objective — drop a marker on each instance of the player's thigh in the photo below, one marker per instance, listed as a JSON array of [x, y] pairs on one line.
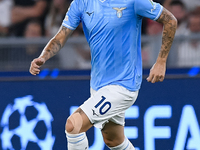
[[113, 134]]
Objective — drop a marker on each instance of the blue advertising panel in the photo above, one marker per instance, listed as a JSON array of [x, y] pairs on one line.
[[166, 116]]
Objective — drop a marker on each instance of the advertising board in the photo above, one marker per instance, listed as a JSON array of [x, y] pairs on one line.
[[33, 114]]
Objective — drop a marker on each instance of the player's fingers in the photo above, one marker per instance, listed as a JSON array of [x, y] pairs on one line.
[[158, 78], [34, 71], [37, 72], [155, 79], [161, 78], [34, 65], [38, 62], [32, 68], [150, 77]]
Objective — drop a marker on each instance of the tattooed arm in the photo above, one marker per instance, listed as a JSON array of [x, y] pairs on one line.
[[170, 25], [51, 49], [157, 72]]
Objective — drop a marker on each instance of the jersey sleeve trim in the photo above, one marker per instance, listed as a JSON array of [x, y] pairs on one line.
[[64, 24], [161, 9]]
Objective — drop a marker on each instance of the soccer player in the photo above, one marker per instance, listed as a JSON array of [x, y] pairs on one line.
[[113, 30]]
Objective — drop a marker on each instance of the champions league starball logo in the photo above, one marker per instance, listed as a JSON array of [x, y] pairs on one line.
[[26, 125]]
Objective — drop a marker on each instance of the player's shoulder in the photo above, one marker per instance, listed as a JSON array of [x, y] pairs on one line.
[[143, 1], [83, 1], [78, 3], [142, 4]]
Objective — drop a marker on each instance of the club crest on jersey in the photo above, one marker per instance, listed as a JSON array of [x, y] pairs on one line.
[[119, 11]]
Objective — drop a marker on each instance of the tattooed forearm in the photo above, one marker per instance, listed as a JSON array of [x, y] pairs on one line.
[[170, 25], [52, 49], [56, 43]]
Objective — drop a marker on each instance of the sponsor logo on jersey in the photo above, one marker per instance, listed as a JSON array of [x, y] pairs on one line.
[[94, 113], [89, 13], [119, 11]]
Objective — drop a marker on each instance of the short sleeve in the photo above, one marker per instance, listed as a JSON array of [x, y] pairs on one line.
[[148, 9], [73, 15]]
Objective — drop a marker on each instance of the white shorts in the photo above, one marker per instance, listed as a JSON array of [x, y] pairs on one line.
[[108, 104]]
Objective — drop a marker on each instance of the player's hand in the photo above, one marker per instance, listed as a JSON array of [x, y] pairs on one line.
[[35, 66], [157, 73]]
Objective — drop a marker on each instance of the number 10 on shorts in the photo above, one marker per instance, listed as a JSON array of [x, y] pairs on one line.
[[104, 107]]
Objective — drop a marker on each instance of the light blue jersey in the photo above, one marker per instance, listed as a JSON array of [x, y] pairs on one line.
[[113, 31]]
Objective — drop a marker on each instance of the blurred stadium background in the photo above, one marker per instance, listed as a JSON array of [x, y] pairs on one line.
[[17, 53]]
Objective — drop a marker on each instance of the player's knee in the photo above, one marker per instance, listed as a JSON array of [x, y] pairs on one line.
[[69, 127], [74, 124], [109, 142]]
